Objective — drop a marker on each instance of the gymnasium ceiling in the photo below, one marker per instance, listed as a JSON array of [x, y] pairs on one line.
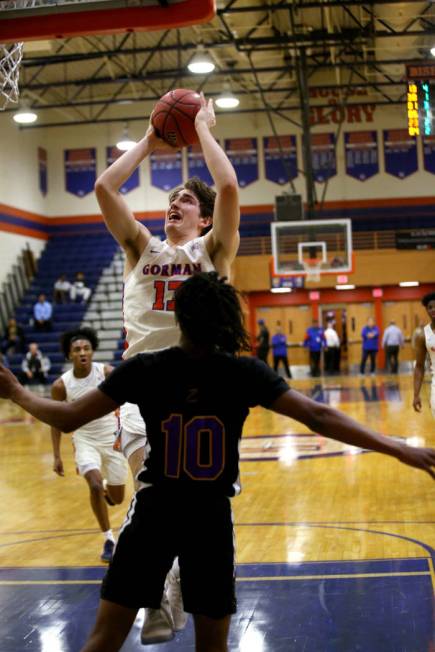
[[348, 52]]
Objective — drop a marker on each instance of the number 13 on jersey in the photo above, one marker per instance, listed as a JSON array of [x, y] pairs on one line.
[[162, 289]]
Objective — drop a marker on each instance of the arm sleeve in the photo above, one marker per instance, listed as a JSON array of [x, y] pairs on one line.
[[126, 383], [263, 385]]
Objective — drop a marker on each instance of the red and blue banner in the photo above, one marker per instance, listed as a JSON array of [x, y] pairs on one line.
[[113, 153], [400, 153], [361, 154], [166, 169], [42, 170], [429, 153], [196, 166], [243, 154], [80, 170], [280, 158], [323, 156]]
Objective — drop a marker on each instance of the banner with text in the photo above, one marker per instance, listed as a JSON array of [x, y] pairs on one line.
[[323, 156], [80, 170], [243, 154], [400, 153], [42, 170], [166, 169], [196, 166], [429, 153], [113, 153], [280, 158], [361, 154]]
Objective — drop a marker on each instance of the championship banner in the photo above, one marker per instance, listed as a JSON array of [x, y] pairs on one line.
[[243, 154], [280, 163], [429, 153], [80, 170], [113, 153], [292, 282], [196, 166], [323, 156], [361, 154], [166, 169], [42, 170], [400, 153]]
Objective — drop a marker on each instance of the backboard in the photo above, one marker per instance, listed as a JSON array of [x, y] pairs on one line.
[[46, 19], [311, 248]]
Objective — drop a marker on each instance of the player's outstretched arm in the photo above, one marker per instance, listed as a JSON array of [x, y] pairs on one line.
[[223, 239], [58, 393], [64, 416], [337, 425], [420, 359]]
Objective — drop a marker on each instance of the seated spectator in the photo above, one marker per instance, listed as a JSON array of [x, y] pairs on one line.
[[13, 339], [62, 289], [79, 289], [35, 367], [42, 313]]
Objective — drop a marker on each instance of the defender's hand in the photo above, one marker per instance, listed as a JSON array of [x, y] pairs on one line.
[[8, 382]]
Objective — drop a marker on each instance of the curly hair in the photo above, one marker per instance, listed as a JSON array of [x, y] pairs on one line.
[[209, 313], [69, 337], [427, 298]]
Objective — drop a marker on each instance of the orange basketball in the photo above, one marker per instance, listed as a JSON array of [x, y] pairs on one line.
[[173, 117]]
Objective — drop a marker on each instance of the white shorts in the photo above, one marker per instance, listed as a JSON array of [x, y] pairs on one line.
[[133, 433], [90, 456]]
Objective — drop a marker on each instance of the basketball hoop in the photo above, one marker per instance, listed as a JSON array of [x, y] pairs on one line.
[[312, 268], [10, 59]]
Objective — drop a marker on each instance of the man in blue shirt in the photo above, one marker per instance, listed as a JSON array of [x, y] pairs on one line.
[[279, 348], [370, 345], [42, 312], [315, 342], [392, 340]]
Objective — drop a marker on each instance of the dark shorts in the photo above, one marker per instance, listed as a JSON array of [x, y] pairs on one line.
[[160, 527]]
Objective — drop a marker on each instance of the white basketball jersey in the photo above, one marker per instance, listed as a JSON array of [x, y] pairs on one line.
[[103, 430], [429, 336], [148, 302]]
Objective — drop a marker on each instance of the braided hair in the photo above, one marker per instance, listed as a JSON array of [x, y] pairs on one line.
[[69, 337], [209, 313]]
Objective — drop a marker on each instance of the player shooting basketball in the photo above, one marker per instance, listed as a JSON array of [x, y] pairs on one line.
[[154, 269], [194, 399], [425, 346]]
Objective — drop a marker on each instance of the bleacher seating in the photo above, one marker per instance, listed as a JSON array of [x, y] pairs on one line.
[[89, 254]]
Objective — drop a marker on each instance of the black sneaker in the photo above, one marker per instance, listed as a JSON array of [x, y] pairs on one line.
[[107, 553]]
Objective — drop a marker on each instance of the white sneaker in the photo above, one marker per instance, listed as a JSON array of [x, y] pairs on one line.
[[173, 588], [158, 626]]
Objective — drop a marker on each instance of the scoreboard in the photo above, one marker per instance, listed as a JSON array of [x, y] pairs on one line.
[[420, 98]]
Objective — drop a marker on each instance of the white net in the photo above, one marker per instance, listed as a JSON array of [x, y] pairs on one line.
[[10, 59], [313, 269]]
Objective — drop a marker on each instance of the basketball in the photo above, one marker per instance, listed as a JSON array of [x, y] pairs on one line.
[[173, 117]]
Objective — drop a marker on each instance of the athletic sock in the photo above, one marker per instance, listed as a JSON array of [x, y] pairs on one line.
[[108, 536]]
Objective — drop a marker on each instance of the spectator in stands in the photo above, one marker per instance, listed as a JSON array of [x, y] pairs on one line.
[[62, 289], [42, 313], [13, 339], [79, 289], [315, 342], [35, 367], [392, 340]]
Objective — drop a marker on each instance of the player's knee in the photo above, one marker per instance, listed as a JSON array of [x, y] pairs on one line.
[[96, 487]]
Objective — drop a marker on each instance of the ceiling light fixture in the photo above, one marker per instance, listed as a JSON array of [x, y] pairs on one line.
[[432, 51], [201, 62], [280, 290], [227, 100], [125, 142], [409, 284], [25, 114], [345, 286]]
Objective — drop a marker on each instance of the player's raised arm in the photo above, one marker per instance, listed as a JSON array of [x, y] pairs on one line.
[[418, 376], [66, 417], [223, 239], [336, 425], [131, 235]]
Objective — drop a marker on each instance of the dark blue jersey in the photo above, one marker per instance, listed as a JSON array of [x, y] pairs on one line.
[[194, 410]]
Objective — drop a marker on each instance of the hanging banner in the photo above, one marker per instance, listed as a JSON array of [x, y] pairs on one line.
[[166, 169], [113, 153], [429, 153], [243, 154], [280, 158], [323, 156], [400, 153], [42, 170], [196, 166], [361, 153], [80, 170]]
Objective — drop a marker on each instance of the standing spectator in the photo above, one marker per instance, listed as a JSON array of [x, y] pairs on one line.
[[315, 342], [392, 340], [332, 351], [13, 340], [62, 289], [79, 289], [279, 349], [263, 341], [42, 313], [35, 367], [370, 345]]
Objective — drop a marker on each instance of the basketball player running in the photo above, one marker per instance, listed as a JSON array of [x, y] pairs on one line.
[[152, 272], [93, 443], [197, 398], [424, 345]]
